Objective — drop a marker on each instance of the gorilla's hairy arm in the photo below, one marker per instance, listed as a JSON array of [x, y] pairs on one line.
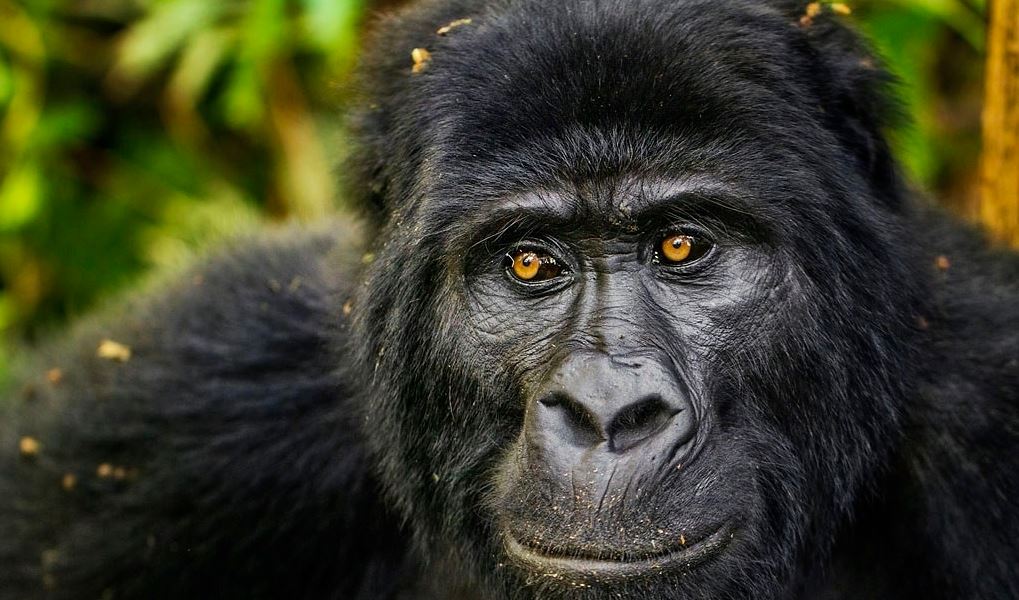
[[220, 458], [945, 490]]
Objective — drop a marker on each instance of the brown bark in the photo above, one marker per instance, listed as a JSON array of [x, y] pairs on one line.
[[999, 205]]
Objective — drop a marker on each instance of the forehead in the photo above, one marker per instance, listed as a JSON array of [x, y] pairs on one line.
[[556, 93], [620, 202]]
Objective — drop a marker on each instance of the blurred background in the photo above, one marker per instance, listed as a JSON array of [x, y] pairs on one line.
[[133, 133]]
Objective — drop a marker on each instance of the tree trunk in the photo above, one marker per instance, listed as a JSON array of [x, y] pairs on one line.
[[999, 204]]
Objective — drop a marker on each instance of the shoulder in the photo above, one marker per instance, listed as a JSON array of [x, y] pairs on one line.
[[259, 326], [219, 395], [292, 281], [271, 303]]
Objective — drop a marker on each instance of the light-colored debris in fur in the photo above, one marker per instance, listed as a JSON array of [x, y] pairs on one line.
[[29, 446], [54, 376], [421, 57], [47, 562], [118, 473], [115, 351], [814, 9], [445, 29]]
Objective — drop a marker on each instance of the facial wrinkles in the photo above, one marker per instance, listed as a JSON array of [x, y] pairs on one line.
[[608, 316]]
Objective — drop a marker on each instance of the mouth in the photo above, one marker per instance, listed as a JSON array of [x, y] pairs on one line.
[[578, 566]]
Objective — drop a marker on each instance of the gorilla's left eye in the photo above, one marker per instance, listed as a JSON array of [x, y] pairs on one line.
[[681, 249], [532, 266]]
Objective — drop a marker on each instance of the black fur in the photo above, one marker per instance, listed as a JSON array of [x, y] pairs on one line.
[[314, 416]]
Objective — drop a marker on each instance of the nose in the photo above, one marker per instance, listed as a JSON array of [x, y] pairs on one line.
[[615, 403]]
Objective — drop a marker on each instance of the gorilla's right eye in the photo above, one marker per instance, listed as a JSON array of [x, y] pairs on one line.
[[532, 266]]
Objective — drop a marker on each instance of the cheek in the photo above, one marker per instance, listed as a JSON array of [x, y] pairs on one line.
[[488, 339], [511, 324], [734, 306]]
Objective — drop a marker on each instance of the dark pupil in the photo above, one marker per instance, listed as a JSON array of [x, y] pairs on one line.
[[528, 259], [677, 243]]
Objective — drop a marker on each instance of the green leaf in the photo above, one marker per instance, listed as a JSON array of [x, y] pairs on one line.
[[264, 31], [8, 312], [904, 39], [243, 105], [206, 51], [65, 124], [148, 45], [957, 14], [331, 25], [6, 83], [166, 166], [20, 197]]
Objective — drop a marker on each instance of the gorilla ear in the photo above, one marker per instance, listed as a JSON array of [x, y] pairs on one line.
[[855, 89]]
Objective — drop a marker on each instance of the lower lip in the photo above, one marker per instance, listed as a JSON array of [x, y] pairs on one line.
[[574, 568]]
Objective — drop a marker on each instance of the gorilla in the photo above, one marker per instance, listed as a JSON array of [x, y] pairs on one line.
[[637, 305]]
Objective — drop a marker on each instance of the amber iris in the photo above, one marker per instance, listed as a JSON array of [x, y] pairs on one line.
[[677, 248], [526, 265], [533, 266]]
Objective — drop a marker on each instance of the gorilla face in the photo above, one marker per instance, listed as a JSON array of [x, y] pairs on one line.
[[639, 325], [611, 307]]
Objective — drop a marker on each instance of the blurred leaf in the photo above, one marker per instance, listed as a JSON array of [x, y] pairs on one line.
[[305, 172], [264, 31], [64, 124], [203, 55], [149, 44], [20, 197], [189, 225], [162, 165], [20, 34], [243, 105], [8, 314], [332, 25], [23, 109], [263, 35], [960, 16], [903, 37], [6, 83]]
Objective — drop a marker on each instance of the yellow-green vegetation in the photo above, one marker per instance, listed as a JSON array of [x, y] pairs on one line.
[[133, 132], [935, 48]]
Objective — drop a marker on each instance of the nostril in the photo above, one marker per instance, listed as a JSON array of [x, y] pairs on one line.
[[639, 421], [573, 421]]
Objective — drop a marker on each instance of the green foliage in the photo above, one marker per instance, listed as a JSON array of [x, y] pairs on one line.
[[913, 36], [133, 132]]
